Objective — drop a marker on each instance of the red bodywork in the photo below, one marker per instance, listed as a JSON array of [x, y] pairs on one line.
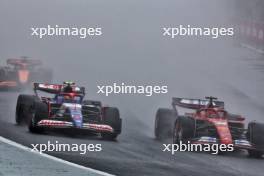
[[22, 66], [212, 120], [20, 73], [218, 117]]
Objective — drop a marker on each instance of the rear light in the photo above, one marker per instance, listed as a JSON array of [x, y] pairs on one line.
[[23, 76]]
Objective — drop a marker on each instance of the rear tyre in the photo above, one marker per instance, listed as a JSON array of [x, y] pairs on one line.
[[184, 129], [40, 112], [112, 118], [24, 107], [164, 123], [255, 135]]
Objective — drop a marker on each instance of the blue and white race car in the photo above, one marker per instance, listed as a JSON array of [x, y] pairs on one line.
[[67, 110]]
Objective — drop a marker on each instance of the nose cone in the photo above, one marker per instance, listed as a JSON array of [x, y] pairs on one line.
[[225, 136], [223, 131], [77, 120]]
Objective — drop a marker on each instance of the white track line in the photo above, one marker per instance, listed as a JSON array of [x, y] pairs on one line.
[[7, 141]]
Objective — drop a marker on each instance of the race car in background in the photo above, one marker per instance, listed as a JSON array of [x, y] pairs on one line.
[[209, 124], [67, 110], [19, 73]]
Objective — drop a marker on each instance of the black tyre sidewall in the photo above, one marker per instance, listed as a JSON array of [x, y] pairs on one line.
[[255, 136], [187, 126], [164, 121], [23, 107], [18, 111], [39, 113], [112, 118]]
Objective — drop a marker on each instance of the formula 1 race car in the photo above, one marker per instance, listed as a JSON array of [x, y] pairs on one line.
[[67, 110], [19, 73], [209, 124]]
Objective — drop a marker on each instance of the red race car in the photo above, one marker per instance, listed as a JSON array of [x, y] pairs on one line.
[[19, 73], [209, 124]]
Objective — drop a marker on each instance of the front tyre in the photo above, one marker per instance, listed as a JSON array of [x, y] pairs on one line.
[[40, 112], [184, 129], [255, 135], [164, 123], [32, 126], [112, 118]]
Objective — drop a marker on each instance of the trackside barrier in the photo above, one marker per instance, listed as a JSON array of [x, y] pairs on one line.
[[251, 33]]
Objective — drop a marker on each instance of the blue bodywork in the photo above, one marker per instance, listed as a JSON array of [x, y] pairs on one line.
[[77, 117]]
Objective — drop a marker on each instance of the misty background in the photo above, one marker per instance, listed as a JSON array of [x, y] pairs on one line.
[[133, 50]]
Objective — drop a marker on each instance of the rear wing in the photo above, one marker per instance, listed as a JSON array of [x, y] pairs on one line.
[[195, 103], [23, 62], [57, 88]]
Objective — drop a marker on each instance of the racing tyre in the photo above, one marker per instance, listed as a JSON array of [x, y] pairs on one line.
[[164, 123], [255, 135], [24, 107], [112, 118], [40, 112], [184, 129]]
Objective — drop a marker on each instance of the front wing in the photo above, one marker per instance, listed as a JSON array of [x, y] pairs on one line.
[[238, 143], [86, 126]]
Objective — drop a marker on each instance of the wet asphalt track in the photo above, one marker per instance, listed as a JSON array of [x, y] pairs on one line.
[[134, 51], [136, 152]]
